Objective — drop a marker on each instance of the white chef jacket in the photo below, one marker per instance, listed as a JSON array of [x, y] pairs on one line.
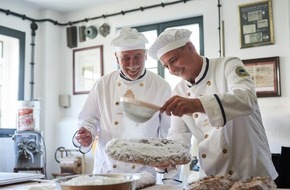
[[103, 117], [230, 135]]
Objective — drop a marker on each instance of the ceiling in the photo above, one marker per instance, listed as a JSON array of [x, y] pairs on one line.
[[66, 5]]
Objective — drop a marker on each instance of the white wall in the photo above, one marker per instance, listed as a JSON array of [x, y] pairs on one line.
[[54, 60], [275, 110]]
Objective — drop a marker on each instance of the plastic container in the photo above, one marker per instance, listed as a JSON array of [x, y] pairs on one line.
[[27, 115]]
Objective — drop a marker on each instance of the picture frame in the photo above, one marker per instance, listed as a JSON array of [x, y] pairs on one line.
[[266, 75], [87, 68], [256, 24]]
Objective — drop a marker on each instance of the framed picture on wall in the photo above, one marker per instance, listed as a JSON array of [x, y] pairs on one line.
[[256, 24], [266, 75], [87, 68]]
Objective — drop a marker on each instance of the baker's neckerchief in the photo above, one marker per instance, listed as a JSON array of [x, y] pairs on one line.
[[204, 70], [122, 75]]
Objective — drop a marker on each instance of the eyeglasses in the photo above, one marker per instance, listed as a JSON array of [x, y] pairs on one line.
[[171, 181], [82, 149]]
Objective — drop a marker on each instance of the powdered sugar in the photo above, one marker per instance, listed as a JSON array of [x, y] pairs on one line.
[[148, 151], [93, 180], [147, 179], [228, 183], [255, 183]]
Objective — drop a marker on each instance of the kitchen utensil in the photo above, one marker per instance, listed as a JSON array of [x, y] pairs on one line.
[[104, 30], [91, 32], [82, 149], [137, 110], [129, 182]]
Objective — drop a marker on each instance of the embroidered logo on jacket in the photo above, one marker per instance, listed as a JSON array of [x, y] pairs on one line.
[[242, 72]]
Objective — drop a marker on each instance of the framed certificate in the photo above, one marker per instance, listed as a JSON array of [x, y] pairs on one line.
[[266, 75], [256, 24]]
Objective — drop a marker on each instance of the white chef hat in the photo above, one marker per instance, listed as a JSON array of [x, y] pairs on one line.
[[169, 40], [129, 39]]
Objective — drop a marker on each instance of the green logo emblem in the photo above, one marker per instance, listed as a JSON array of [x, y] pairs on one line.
[[242, 72]]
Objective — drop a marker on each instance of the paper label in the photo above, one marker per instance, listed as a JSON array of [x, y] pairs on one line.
[[25, 119]]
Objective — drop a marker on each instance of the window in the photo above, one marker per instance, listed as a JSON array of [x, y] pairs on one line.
[[11, 65], [151, 32]]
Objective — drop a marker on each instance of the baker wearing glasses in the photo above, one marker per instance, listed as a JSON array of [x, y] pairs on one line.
[[101, 115]]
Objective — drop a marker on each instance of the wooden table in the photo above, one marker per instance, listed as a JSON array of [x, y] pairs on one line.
[[50, 185]]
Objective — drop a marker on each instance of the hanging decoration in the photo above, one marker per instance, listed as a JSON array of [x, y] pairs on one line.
[[71, 37], [91, 32], [82, 36], [104, 29]]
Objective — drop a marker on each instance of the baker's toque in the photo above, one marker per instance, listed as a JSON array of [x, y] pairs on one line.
[[129, 39], [169, 40]]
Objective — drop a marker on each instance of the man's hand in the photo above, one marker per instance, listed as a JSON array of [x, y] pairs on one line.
[[179, 106], [84, 137]]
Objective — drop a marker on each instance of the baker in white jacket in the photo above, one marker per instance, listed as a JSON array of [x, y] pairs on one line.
[[101, 115], [220, 95]]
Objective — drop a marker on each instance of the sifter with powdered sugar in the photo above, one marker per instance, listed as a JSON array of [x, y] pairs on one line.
[[137, 110]]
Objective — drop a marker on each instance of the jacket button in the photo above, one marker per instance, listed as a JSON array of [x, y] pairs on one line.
[[133, 166], [230, 172], [195, 115], [141, 84], [208, 83], [116, 122], [188, 93], [114, 165], [117, 103], [206, 135], [119, 84], [225, 150], [203, 155]]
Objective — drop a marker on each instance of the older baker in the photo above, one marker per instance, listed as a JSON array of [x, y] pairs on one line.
[[102, 116]]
